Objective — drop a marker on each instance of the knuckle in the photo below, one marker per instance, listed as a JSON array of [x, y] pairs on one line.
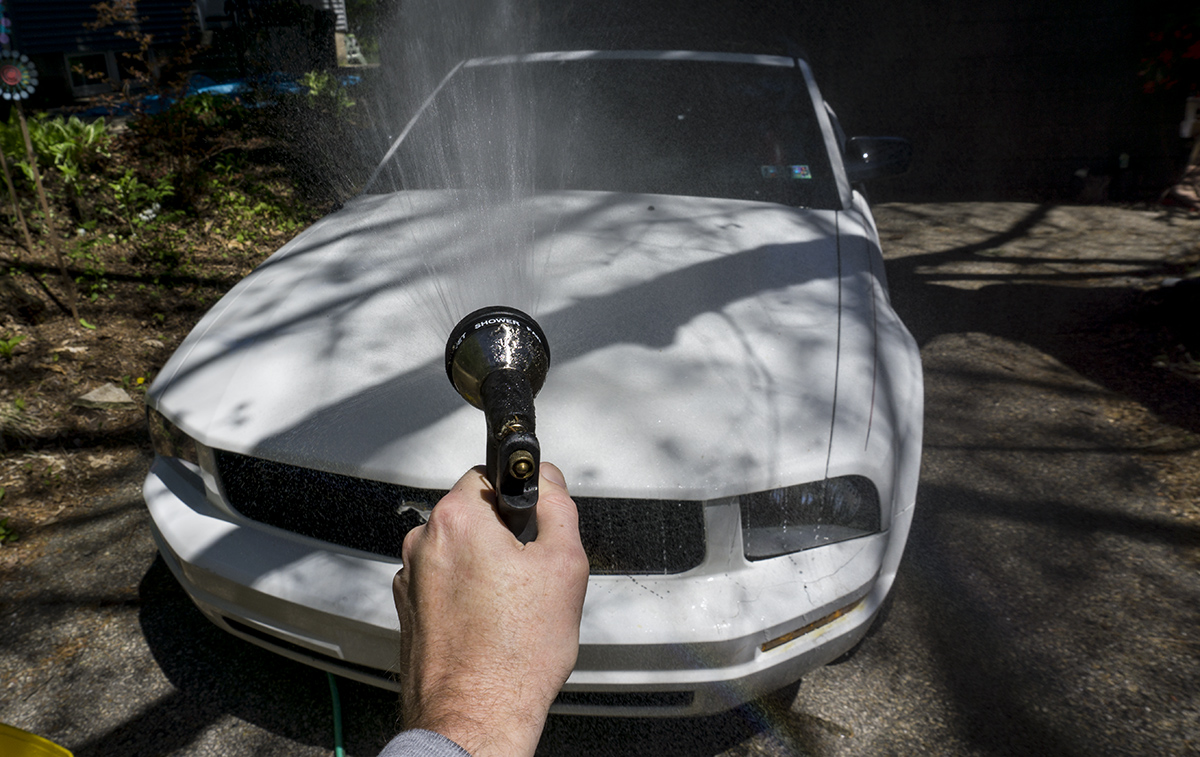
[[409, 545], [448, 516]]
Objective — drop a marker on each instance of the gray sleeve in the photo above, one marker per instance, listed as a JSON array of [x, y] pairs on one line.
[[418, 743]]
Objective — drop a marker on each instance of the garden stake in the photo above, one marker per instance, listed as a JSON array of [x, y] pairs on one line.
[[12, 192], [37, 180]]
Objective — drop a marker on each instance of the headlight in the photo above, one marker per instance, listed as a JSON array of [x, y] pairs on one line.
[[168, 439], [782, 521]]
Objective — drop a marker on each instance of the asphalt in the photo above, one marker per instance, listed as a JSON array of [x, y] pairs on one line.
[[1048, 602]]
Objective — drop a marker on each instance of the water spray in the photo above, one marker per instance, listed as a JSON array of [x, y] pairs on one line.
[[497, 359]]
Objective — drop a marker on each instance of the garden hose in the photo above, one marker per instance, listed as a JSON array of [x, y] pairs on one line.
[[338, 749]]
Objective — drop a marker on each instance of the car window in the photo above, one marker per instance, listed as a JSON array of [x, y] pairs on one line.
[[685, 127]]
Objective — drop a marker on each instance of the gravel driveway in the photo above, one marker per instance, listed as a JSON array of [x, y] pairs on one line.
[[1049, 601]]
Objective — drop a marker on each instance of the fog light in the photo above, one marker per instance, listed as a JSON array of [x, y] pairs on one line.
[[781, 640]]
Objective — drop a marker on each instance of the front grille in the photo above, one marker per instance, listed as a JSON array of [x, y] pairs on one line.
[[621, 536]]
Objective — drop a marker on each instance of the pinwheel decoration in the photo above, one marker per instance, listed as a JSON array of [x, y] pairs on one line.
[[18, 75]]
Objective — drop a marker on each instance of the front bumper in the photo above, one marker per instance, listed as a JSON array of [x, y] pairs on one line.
[[664, 645]]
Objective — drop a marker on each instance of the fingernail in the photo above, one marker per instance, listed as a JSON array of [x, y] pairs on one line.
[[551, 473]]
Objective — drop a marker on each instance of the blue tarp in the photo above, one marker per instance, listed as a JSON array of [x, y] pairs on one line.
[[240, 90]]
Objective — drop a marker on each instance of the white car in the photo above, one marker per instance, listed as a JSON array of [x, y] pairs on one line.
[[735, 404]]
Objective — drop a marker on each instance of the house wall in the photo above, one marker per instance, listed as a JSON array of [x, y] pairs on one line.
[[48, 31], [42, 26], [216, 8]]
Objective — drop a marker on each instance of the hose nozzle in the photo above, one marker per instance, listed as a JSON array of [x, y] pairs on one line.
[[497, 359]]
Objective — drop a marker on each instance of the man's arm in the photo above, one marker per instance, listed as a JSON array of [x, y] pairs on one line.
[[489, 627]]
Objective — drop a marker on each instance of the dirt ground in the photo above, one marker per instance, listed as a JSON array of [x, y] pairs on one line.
[[55, 454], [1078, 305], [1107, 290]]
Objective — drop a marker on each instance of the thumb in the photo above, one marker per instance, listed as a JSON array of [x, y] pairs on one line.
[[556, 512]]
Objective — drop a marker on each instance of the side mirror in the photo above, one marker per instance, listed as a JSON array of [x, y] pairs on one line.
[[875, 157]]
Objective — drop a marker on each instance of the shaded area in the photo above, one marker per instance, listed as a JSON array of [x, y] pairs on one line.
[[1044, 586], [215, 675], [1102, 323], [1045, 605], [1054, 628]]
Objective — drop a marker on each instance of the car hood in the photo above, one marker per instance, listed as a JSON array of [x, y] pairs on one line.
[[695, 342]]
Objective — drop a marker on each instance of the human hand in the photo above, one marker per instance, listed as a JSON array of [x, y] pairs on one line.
[[489, 627]]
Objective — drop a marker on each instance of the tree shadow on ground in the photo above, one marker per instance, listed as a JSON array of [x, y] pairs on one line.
[[1036, 552], [1102, 325], [216, 674]]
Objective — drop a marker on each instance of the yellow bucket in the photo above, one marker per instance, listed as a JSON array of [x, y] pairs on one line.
[[17, 743]]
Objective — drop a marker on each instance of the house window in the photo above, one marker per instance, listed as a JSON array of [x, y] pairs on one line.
[[92, 72]]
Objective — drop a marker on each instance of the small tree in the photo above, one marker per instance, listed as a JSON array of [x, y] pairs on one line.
[[143, 66]]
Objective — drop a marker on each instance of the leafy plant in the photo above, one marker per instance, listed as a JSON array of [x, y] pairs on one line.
[[139, 203], [326, 93], [73, 147], [84, 253], [93, 281], [7, 346], [144, 67], [189, 134], [76, 146], [249, 216], [7, 533]]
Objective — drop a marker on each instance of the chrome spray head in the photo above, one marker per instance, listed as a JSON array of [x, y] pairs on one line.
[[497, 359]]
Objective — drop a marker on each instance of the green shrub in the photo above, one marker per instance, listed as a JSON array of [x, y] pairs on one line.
[[189, 133], [325, 93], [139, 203], [74, 148]]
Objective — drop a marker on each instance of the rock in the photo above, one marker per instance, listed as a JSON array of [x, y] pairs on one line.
[[106, 396]]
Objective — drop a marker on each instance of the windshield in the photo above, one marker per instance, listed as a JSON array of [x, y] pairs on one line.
[[682, 127]]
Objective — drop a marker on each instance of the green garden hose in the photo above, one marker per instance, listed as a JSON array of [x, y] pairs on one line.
[[338, 749]]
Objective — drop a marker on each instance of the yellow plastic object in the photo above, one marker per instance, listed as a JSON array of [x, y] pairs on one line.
[[17, 743]]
